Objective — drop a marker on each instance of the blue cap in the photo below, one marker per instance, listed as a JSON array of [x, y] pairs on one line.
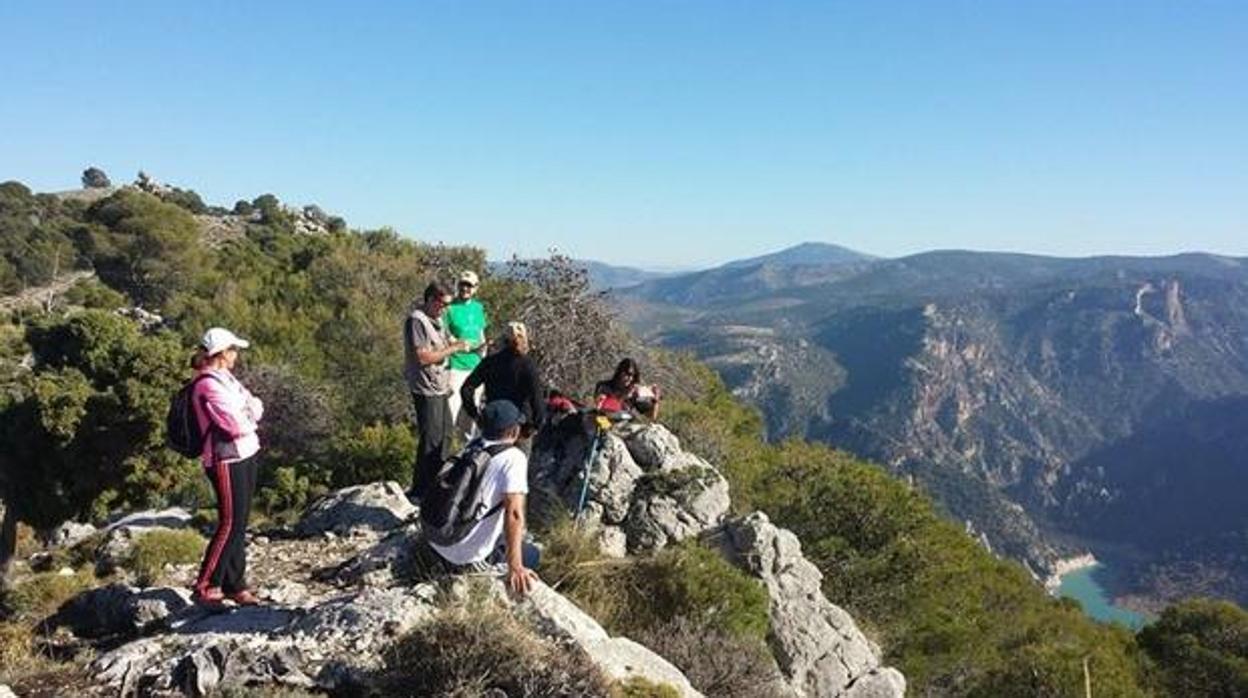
[[498, 416]]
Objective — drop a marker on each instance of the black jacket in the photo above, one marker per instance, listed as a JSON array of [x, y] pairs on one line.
[[506, 376]]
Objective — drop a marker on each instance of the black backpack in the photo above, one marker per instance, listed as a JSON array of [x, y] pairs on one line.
[[182, 432], [453, 506]]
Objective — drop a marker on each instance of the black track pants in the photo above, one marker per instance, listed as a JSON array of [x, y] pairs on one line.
[[433, 425], [225, 560]]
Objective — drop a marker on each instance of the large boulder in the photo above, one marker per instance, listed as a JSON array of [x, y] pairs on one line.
[[380, 564], [612, 477], [120, 610], [233, 663], [643, 492], [378, 506], [817, 645], [559, 466], [70, 533], [670, 506], [653, 446]]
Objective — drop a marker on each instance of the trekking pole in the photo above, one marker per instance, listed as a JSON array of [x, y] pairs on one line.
[[601, 425]]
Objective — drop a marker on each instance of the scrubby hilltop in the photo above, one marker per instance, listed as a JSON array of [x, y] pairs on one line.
[[708, 517]]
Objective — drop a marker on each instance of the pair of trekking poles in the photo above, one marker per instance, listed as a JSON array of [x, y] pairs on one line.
[[602, 424]]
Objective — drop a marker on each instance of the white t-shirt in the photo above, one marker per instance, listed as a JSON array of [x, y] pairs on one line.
[[506, 473]]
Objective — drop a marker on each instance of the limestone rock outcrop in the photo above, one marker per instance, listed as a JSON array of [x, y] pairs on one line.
[[120, 610], [70, 533], [378, 506], [816, 644], [643, 491], [285, 645]]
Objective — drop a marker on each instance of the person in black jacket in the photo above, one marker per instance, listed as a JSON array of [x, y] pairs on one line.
[[508, 374]]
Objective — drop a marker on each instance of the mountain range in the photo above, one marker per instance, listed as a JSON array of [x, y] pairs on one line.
[[1056, 405]]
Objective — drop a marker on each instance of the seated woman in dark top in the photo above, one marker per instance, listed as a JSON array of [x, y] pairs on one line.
[[624, 391]]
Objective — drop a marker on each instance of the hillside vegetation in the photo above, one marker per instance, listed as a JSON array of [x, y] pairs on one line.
[[83, 391]]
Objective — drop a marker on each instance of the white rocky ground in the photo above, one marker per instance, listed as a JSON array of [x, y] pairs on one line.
[[337, 591]]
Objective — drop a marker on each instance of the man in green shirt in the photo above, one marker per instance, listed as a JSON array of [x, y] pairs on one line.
[[465, 321]]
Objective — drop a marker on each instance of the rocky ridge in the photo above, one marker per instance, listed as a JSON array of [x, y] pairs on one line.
[[339, 589]]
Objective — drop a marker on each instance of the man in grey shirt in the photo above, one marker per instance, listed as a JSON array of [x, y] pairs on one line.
[[426, 348]]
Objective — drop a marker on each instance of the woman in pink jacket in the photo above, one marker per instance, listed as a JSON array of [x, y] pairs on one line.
[[227, 414]]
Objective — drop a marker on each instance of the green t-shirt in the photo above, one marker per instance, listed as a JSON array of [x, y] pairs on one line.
[[466, 320]]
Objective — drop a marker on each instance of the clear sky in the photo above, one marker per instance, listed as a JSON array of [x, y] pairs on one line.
[[672, 133]]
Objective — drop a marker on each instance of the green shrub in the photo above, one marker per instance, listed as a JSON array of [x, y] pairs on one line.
[[467, 651], [694, 582], [287, 491], [375, 452], [155, 549], [633, 595], [1200, 647]]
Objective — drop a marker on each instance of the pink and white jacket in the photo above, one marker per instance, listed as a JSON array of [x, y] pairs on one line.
[[223, 402]]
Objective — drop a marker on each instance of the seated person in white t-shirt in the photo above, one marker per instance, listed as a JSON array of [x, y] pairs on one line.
[[506, 482]]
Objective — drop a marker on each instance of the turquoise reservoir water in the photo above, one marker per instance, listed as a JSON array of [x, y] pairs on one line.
[[1081, 585]]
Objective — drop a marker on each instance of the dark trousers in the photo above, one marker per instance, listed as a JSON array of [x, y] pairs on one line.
[[433, 428], [225, 560]]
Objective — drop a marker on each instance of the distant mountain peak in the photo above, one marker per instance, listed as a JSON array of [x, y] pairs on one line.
[[805, 254]]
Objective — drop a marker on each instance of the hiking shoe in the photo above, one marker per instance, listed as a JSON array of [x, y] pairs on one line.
[[208, 596], [244, 598]]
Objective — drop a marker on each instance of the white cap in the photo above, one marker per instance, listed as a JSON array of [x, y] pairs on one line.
[[218, 339], [469, 277]]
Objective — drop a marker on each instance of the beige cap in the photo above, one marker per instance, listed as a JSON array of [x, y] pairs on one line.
[[469, 277]]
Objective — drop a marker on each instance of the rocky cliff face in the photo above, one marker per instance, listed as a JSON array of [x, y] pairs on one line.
[[1024, 392], [339, 589]]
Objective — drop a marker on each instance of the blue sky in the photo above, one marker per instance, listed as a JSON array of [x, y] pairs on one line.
[[661, 134]]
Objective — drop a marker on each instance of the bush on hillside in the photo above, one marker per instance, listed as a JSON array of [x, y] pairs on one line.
[[1200, 647], [468, 651], [283, 492], [299, 420], [717, 663], [155, 549], [633, 594], [144, 247], [83, 432], [94, 178], [375, 452], [36, 238], [91, 293]]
